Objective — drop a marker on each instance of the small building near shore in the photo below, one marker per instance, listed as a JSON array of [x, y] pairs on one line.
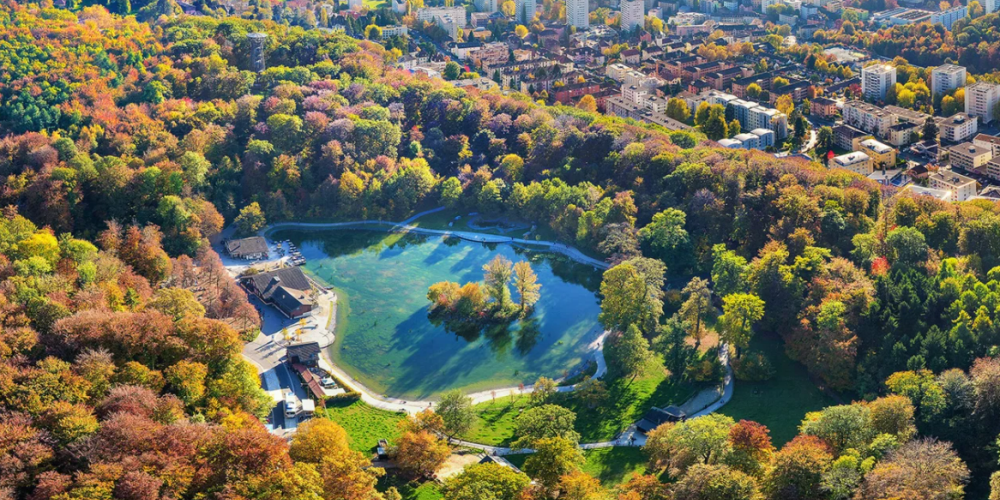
[[286, 289], [252, 248]]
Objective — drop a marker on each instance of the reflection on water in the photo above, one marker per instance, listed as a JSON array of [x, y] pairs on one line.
[[386, 339]]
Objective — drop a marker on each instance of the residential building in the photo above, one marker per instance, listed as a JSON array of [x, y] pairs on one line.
[[980, 99], [958, 127], [486, 5], [991, 142], [876, 80], [946, 78], [993, 169], [846, 136], [633, 14], [450, 19], [949, 16], [962, 188], [400, 6], [868, 117], [525, 12], [765, 137], [823, 107], [355, 5], [856, 162], [287, 289], [902, 133], [881, 155], [969, 156], [941, 194], [394, 30], [578, 13]]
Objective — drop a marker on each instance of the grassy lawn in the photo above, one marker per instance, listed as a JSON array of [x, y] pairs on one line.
[[364, 425], [780, 403], [410, 490], [626, 402], [612, 466]]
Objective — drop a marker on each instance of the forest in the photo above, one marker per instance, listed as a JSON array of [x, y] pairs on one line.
[[130, 144]]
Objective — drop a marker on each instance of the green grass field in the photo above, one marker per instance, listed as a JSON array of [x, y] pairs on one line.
[[780, 403], [627, 401], [410, 490], [364, 425], [612, 466]]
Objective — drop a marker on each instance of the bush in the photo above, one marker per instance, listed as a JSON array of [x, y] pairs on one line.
[[706, 369], [753, 366]]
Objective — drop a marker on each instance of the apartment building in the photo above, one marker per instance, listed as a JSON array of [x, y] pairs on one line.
[[525, 11], [961, 187], [633, 14], [946, 78], [990, 142], [578, 13], [969, 156], [880, 154], [958, 127], [868, 117], [876, 80], [823, 107], [980, 99], [856, 162], [450, 19]]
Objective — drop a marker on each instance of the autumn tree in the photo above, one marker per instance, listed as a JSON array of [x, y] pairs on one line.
[[420, 453], [553, 458], [526, 284], [487, 480]]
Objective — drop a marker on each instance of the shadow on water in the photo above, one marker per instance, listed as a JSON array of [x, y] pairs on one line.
[[391, 344]]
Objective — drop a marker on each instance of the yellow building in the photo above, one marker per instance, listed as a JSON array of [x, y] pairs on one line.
[[880, 154]]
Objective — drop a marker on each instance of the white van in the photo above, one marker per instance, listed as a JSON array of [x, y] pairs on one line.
[[292, 405]]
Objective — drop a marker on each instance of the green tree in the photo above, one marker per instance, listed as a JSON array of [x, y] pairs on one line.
[[451, 71], [627, 353], [482, 481], [740, 311], [455, 409], [666, 238], [553, 458], [541, 422], [625, 298], [728, 271], [678, 109], [251, 219]]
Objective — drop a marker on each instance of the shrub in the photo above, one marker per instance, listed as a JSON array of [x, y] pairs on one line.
[[753, 366]]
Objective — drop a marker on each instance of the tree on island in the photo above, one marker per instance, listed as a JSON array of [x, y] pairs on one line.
[[498, 273], [526, 283]]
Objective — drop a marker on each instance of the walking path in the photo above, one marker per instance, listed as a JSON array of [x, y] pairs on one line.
[[630, 437]]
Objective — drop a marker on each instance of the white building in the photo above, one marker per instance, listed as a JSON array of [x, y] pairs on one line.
[[578, 13], [948, 17], [980, 99], [990, 5], [969, 156], [486, 5], [450, 19], [958, 127], [394, 30], [856, 162], [633, 14], [876, 80], [962, 188], [946, 78], [525, 11], [400, 6]]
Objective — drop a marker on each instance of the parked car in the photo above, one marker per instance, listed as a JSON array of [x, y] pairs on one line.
[[292, 405], [328, 383]]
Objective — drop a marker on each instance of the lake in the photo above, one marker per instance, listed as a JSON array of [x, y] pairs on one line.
[[386, 341]]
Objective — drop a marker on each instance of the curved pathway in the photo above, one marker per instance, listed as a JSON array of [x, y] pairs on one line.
[[630, 437]]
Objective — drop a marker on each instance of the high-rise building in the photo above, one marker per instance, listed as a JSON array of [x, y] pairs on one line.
[[486, 5], [946, 78], [990, 5], [578, 13], [525, 11], [257, 51], [633, 14], [876, 80], [980, 99]]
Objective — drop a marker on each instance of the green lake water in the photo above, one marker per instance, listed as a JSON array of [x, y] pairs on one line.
[[386, 341]]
